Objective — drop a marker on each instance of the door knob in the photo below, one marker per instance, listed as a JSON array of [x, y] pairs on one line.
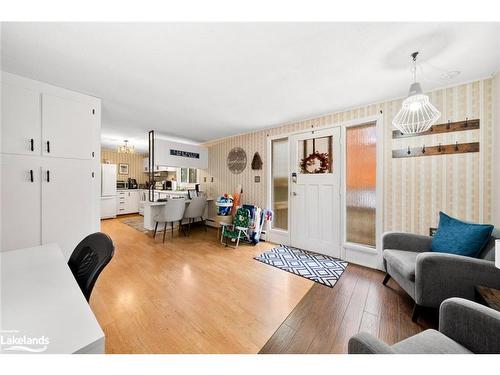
[[294, 193]]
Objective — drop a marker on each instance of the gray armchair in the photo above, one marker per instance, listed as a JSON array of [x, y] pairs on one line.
[[465, 327], [429, 277]]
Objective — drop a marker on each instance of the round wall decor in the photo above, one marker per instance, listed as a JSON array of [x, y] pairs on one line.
[[237, 160]]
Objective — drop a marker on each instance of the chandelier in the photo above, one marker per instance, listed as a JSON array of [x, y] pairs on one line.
[[417, 113], [125, 148]]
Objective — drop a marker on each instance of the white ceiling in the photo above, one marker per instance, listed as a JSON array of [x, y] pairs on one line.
[[202, 81]]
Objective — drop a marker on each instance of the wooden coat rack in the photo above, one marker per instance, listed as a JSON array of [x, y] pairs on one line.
[[442, 128], [457, 148]]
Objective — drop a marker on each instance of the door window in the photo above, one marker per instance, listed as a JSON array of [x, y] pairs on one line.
[[315, 155]]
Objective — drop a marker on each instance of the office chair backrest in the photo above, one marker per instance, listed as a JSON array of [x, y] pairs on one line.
[[88, 260]]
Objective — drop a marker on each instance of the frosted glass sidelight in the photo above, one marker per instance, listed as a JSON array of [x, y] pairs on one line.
[[279, 171], [361, 178]]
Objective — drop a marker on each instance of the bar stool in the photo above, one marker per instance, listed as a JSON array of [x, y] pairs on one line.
[[172, 211], [195, 209]]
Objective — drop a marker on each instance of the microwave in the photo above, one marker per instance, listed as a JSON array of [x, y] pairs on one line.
[[121, 184]]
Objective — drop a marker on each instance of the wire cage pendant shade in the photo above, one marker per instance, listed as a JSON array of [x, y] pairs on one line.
[[417, 114]]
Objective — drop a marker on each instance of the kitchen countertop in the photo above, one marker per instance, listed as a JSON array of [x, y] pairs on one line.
[[163, 203]]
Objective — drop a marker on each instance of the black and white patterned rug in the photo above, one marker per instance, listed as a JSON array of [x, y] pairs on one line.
[[323, 269]]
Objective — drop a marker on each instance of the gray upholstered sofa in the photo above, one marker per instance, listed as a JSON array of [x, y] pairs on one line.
[[464, 327], [430, 277]]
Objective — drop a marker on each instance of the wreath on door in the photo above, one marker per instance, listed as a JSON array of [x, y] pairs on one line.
[[317, 162]]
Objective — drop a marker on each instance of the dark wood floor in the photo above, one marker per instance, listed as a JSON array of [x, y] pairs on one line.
[[326, 318]]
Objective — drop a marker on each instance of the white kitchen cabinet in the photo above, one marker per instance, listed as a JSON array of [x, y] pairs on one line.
[[68, 128], [176, 154], [127, 202], [157, 167], [65, 208], [120, 202], [132, 201], [108, 207], [21, 120], [20, 201], [65, 219]]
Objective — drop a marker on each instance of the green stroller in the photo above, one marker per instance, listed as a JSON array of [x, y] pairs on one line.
[[239, 228]]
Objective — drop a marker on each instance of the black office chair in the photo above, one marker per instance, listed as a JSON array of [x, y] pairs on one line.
[[88, 260]]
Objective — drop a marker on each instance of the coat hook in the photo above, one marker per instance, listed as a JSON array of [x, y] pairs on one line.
[[439, 147], [423, 150], [409, 151], [456, 146], [448, 125]]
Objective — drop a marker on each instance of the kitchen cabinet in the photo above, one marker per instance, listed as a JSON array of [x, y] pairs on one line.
[[68, 128], [21, 206], [21, 120], [127, 202], [157, 167], [37, 206], [176, 154], [62, 208], [54, 124], [50, 194]]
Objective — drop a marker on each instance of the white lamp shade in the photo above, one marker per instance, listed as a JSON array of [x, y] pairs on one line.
[[497, 253], [417, 114]]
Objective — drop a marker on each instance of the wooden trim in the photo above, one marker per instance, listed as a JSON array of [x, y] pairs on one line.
[[442, 128], [458, 148]]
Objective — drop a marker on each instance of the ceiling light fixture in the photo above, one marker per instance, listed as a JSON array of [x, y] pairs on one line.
[[417, 113], [125, 148]]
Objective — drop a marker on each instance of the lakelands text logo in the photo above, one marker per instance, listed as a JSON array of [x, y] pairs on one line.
[[14, 341]]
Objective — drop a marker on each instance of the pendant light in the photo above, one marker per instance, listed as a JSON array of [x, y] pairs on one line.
[[125, 148], [417, 113]]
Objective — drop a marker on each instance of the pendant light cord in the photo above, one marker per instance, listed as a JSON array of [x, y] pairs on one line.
[[414, 66]]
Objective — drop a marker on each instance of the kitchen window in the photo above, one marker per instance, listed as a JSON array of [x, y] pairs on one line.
[[189, 175]]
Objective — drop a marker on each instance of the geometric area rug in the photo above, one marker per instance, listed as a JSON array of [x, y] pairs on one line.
[[323, 269]]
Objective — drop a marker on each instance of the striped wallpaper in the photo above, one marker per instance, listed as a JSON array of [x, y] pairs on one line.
[[134, 161], [416, 189]]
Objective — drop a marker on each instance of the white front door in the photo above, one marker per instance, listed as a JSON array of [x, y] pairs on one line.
[[315, 191]]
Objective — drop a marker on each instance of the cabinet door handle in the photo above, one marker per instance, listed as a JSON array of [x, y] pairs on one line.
[[31, 175], [48, 175], [48, 147], [32, 144]]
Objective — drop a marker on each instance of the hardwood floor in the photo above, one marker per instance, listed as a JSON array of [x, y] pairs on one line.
[[326, 318], [193, 295], [190, 294]]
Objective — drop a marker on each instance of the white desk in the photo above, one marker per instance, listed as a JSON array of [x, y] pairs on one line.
[[40, 297]]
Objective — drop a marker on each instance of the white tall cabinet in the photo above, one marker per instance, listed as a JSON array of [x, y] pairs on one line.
[[50, 165]]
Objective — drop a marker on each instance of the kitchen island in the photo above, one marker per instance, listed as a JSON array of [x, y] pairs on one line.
[[151, 209]]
